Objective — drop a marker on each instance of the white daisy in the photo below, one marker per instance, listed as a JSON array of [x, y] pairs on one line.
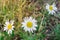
[[9, 26], [51, 8], [29, 24]]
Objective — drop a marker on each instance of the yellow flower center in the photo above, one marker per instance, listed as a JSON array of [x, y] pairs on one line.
[[9, 26], [29, 24], [51, 7]]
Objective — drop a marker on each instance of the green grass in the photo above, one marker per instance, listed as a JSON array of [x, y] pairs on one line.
[[18, 9]]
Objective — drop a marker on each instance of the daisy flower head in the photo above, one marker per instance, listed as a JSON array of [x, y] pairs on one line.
[[9, 26], [51, 8], [29, 24]]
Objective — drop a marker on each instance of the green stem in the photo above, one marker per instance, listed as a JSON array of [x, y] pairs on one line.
[[40, 26]]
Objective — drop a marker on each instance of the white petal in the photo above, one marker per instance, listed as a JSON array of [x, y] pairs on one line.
[[35, 24], [34, 20], [9, 31], [47, 6], [53, 11], [53, 5], [29, 30], [25, 19], [30, 18], [34, 28], [12, 28], [7, 22], [55, 8], [50, 12], [22, 26], [5, 28], [23, 23], [25, 29], [12, 22]]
